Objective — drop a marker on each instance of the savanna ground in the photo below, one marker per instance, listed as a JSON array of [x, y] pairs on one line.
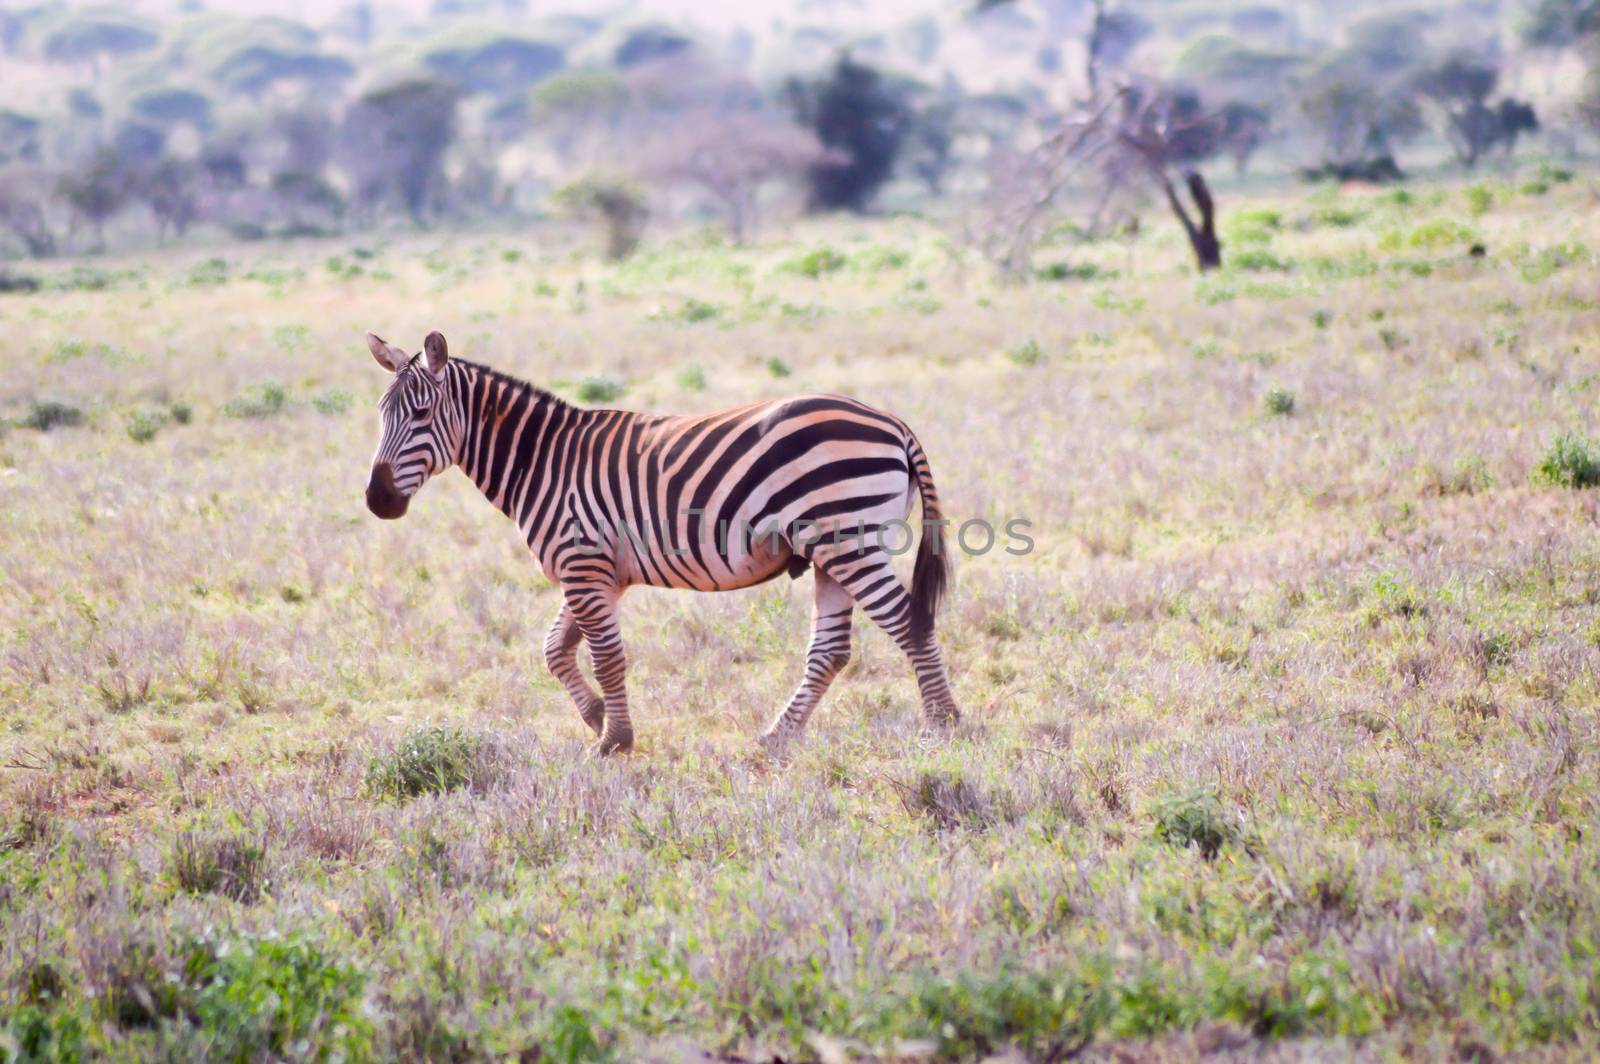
[[1282, 740]]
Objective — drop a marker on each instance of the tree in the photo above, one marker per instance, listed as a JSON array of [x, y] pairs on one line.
[[22, 191], [171, 106], [1560, 23], [647, 43], [1113, 35], [615, 202], [1245, 128], [1164, 129], [171, 189], [1361, 111], [255, 69], [492, 60], [731, 157], [854, 113], [1460, 86], [98, 190], [394, 141], [93, 35], [19, 137]]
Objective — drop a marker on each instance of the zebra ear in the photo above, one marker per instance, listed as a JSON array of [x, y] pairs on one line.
[[389, 356], [438, 354]]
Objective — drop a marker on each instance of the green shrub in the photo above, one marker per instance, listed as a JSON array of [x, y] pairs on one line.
[[181, 413], [225, 863], [1044, 1017], [696, 310], [778, 367], [1479, 199], [1255, 260], [1571, 461], [692, 378], [143, 424], [46, 414], [1441, 232], [1555, 175], [1197, 820], [875, 258], [1534, 188], [949, 801], [332, 401], [268, 399], [815, 263], [599, 388], [1026, 353], [273, 999], [211, 271], [1279, 402], [32, 1033], [430, 760], [290, 337], [1542, 263], [1320, 318], [1264, 218], [1066, 271], [1336, 216]]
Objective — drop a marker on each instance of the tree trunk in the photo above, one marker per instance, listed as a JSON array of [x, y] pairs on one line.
[[1202, 237]]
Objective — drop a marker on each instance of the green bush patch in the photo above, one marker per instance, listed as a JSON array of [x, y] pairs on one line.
[[1571, 461], [430, 760]]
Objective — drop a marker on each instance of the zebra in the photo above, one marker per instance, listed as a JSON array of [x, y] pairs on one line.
[[611, 499]]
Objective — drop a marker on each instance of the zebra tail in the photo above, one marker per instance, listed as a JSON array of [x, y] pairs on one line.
[[931, 573]]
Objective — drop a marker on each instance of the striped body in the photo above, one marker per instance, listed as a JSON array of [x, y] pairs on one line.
[[609, 499]]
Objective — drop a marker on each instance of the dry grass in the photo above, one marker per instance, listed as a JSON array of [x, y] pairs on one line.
[[1282, 740]]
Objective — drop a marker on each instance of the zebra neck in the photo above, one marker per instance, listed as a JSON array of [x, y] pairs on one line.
[[512, 433]]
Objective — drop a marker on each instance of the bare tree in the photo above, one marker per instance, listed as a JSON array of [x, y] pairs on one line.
[[22, 191], [1099, 151], [732, 157], [1164, 130], [1024, 188]]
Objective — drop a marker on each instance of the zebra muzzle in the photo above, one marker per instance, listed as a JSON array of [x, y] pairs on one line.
[[383, 499]]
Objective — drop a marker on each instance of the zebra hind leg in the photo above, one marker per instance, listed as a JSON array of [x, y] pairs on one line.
[[595, 609], [869, 578], [561, 655], [829, 653]]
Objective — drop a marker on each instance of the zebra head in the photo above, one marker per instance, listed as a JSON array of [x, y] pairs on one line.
[[421, 428]]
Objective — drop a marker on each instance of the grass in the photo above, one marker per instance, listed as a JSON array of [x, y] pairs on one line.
[[1279, 402], [1279, 743], [1572, 461], [429, 761]]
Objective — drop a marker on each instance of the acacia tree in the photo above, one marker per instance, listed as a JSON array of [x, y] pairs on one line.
[[393, 145], [854, 113], [1362, 109], [1460, 87], [98, 190], [731, 157]]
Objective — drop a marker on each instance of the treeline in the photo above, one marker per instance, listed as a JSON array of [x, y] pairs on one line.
[[266, 127]]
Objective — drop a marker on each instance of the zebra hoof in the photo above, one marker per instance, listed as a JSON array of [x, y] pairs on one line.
[[614, 743], [776, 746]]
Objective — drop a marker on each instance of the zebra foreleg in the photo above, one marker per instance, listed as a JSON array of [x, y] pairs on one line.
[[870, 580], [561, 655], [831, 607], [595, 610]]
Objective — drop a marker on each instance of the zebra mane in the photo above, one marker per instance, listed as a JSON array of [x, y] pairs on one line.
[[516, 382]]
